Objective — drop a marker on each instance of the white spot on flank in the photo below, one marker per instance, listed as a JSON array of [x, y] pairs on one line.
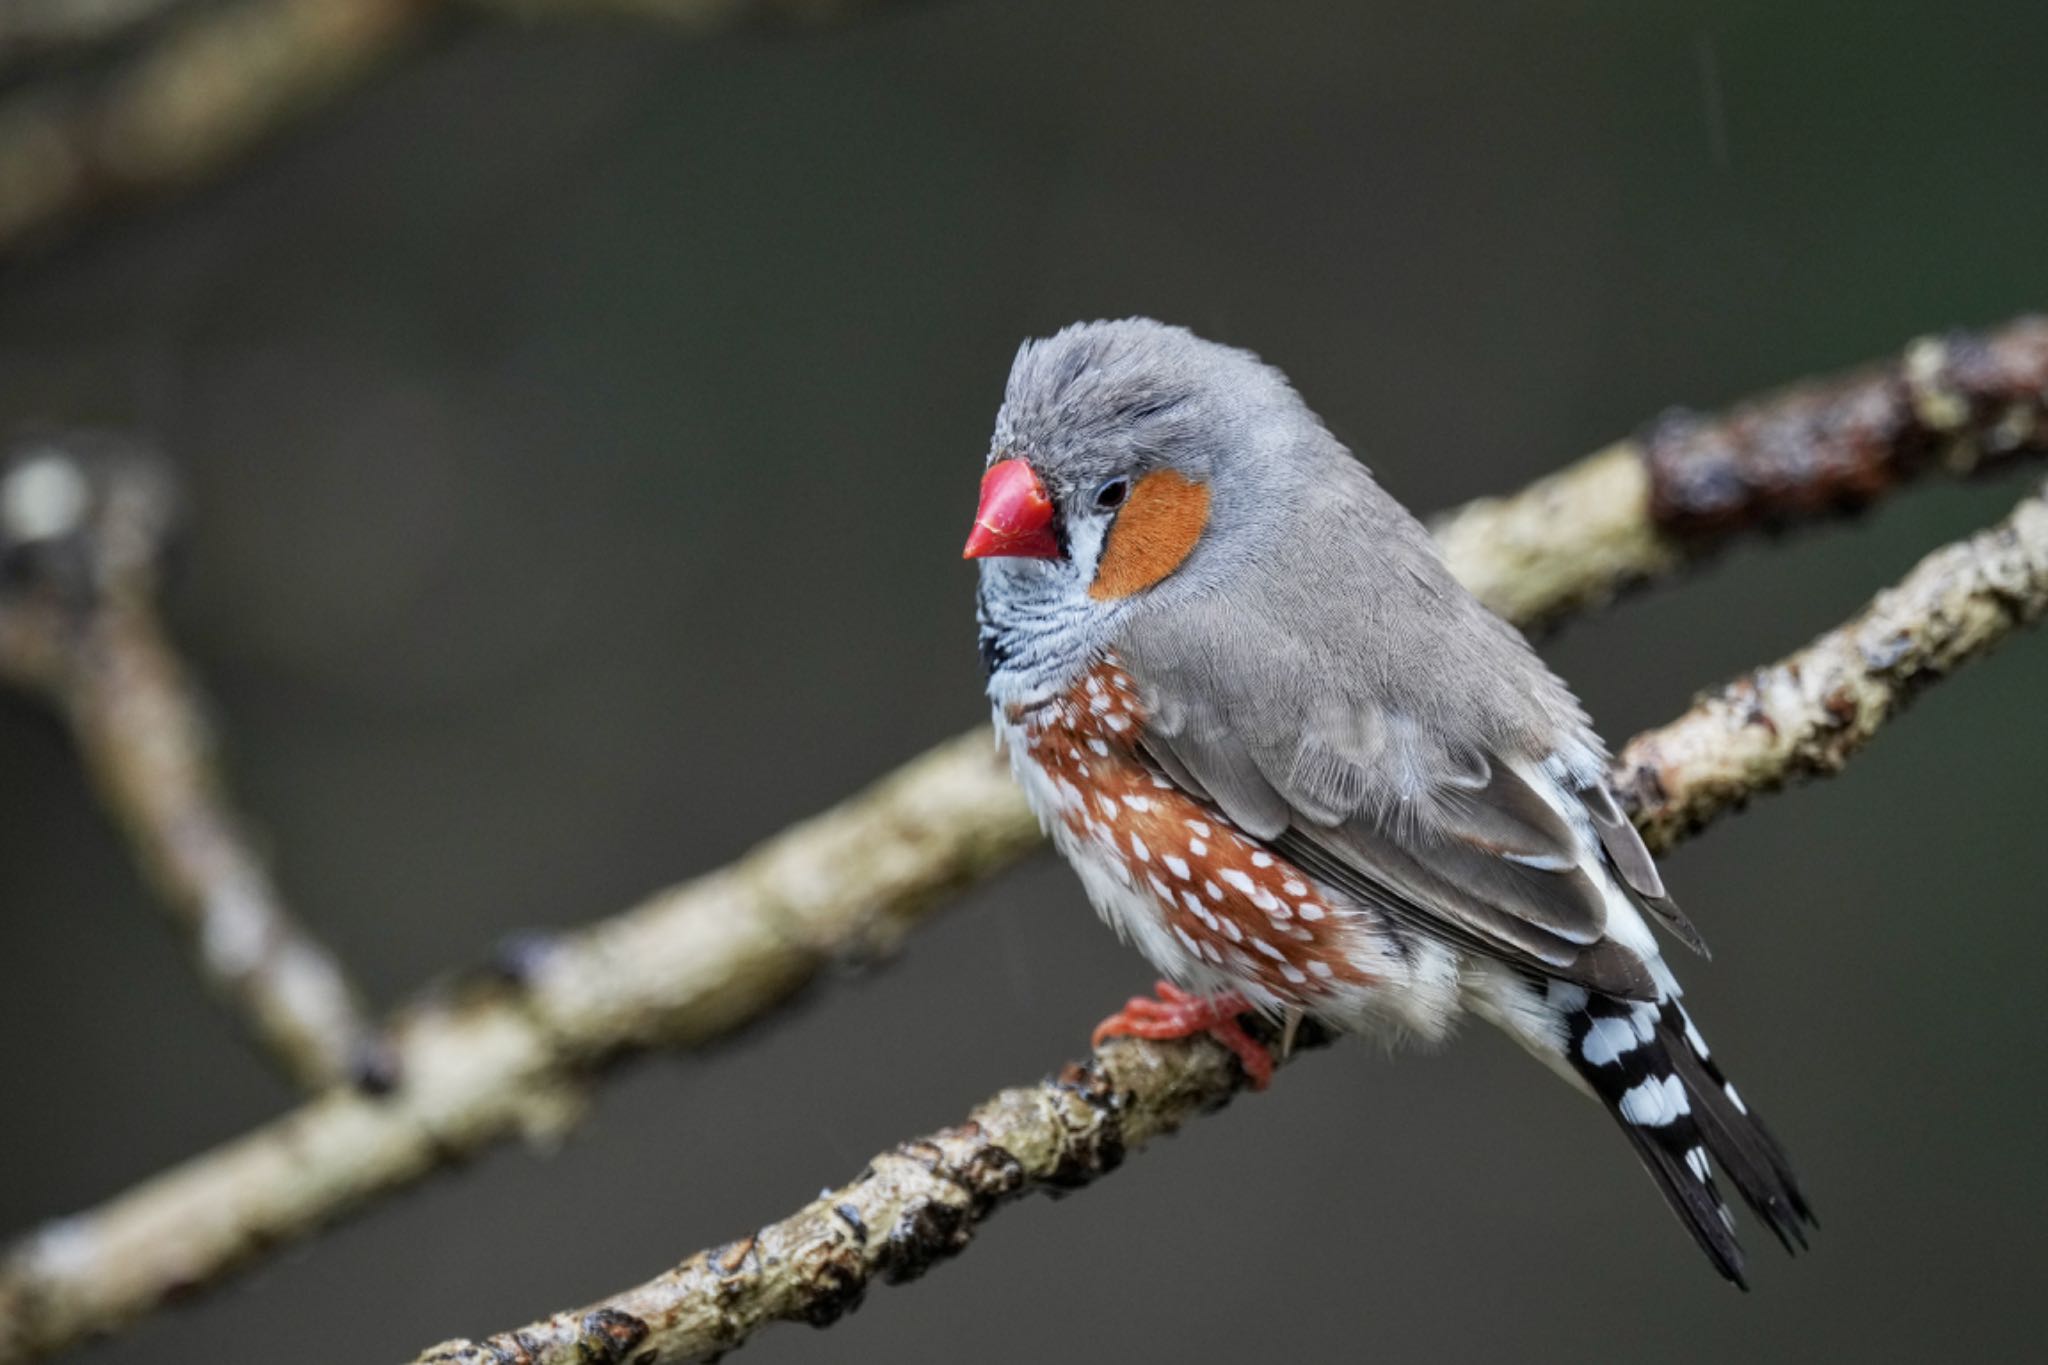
[[1179, 867], [1293, 973], [1117, 722], [1238, 880], [1199, 827], [1107, 803], [1094, 685], [1159, 888], [1230, 928], [1274, 907], [1310, 910], [1138, 849], [1138, 802], [1262, 860], [1197, 849], [1319, 967], [1161, 781], [1269, 950], [1101, 749], [1294, 886], [1098, 702], [1075, 754], [1209, 951], [1214, 891], [1186, 941]]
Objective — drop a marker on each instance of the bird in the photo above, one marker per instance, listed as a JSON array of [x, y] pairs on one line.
[[1305, 772]]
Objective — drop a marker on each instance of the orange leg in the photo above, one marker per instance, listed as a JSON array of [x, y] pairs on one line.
[[1179, 1014]]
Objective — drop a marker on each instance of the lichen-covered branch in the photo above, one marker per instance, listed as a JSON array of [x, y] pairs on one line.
[[705, 957], [1806, 714], [1641, 509], [923, 1200], [914, 1205], [82, 524]]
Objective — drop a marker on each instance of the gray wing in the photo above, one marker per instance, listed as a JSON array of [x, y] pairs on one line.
[[1380, 742], [1492, 868]]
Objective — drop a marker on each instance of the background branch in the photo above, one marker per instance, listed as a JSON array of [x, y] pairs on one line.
[[83, 520], [921, 1201], [210, 86], [1962, 403], [514, 1057], [38, 27]]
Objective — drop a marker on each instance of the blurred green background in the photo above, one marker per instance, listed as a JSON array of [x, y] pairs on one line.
[[581, 426]]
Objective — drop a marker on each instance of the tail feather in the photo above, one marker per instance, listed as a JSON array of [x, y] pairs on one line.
[[1738, 1139], [1650, 1067]]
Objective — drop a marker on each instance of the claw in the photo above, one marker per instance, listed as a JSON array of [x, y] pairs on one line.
[[1180, 1014]]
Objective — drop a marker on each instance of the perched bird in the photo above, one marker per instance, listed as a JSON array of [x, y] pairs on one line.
[[1304, 771]]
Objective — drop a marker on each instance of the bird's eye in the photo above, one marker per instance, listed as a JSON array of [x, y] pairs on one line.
[[1111, 495]]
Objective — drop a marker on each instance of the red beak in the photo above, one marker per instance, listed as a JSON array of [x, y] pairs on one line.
[[1015, 516]]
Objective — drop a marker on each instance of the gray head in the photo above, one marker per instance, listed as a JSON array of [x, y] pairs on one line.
[[1131, 462]]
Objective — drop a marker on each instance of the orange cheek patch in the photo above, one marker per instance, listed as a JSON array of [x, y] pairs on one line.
[[1156, 530]]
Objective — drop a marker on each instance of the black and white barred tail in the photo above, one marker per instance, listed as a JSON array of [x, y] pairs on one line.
[[1649, 1066]]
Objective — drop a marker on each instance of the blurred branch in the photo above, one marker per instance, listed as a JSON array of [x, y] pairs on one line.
[[200, 95], [706, 957], [513, 1057], [1643, 508], [921, 1201], [213, 84], [83, 521], [34, 27], [691, 16]]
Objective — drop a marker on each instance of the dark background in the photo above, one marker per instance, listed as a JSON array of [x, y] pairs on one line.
[[582, 425]]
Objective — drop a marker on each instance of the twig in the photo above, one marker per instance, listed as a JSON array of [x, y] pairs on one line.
[[706, 957], [921, 1201], [1805, 715], [82, 525], [1641, 509]]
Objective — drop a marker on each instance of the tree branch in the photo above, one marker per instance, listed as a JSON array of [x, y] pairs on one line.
[[514, 1057], [922, 1201], [82, 525]]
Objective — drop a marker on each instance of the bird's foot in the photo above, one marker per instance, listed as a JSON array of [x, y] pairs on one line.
[[1180, 1014]]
